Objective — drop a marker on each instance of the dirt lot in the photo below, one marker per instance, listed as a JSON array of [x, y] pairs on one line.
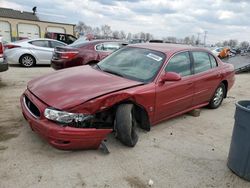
[[185, 151]]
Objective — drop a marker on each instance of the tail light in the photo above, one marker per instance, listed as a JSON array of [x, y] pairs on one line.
[[66, 54], [1, 50], [10, 46]]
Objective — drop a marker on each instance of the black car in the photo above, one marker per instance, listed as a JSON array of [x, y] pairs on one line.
[[66, 38]]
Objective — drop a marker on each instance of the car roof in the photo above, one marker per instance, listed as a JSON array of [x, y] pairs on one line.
[[165, 47]]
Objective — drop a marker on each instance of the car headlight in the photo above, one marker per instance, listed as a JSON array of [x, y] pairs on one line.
[[65, 117]]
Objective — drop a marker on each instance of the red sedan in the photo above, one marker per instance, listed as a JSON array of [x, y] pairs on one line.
[[83, 52], [137, 86]]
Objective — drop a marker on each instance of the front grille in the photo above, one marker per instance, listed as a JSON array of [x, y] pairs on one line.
[[31, 107]]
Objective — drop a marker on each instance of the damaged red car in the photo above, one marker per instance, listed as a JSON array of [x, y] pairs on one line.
[[137, 86]]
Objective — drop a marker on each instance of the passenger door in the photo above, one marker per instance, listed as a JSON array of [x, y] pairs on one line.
[[42, 51], [174, 97], [207, 76]]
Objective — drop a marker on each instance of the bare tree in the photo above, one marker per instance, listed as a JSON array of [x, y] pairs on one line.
[[129, 36], [83, 29], [244, 44], [115, 34], [232, 42], [122, 35], [96, 31], [106, 31]]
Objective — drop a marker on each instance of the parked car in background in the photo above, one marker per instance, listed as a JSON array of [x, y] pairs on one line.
[[31, 52], [66, 38], [83, 52], [3, 63], [137, 86], [221, 52]]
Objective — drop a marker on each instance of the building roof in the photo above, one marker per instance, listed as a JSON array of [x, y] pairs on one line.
[[23, 15], [17, 14]]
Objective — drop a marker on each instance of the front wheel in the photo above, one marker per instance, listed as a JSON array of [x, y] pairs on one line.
[[125, 125], [218, 97], [27, 60]]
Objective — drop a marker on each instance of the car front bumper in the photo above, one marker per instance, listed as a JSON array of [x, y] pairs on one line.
[[3, 65], [66, 138]]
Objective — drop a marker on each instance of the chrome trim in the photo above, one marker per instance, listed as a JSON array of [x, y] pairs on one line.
[[24, 101]]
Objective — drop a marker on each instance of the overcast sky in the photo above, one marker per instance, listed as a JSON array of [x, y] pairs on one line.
[[222, 19]]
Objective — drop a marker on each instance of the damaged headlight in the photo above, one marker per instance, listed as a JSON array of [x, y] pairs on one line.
[[65, 117]]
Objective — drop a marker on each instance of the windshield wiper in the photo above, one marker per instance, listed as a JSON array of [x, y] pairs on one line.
[[112, 72]]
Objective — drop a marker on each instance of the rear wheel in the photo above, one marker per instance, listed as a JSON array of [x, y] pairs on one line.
[[125, 125], [27, 60], [218, 96]]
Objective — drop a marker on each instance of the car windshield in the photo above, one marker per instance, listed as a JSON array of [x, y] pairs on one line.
[[133, 63]]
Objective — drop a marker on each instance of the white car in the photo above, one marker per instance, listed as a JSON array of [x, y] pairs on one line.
[[31, 52], [216, 51]]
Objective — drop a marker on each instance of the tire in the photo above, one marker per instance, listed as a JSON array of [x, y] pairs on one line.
[[218, 96], [27, 60], [125, 125]]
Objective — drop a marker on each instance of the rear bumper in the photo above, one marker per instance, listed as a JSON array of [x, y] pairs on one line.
[[57, 64], [3, 65], [66, 138]]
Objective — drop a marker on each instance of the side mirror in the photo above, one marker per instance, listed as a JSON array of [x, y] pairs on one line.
[[170, 76]]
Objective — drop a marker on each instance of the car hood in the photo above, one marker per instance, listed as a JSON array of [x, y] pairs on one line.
[[73, 86]]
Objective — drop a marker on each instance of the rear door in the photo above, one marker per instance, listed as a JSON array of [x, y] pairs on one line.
[[42, 50], [207, 76], [177, 96]]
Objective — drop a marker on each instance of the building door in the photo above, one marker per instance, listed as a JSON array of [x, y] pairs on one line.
[[28, 31], [5, 31]]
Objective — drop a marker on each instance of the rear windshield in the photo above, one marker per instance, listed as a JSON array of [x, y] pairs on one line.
[[79, 43]]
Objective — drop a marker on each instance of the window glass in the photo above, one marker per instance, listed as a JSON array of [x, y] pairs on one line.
[[180, 63], [201, 62], [41, 43], [213, 61], [99, 47], [55, 44], [111, 46]]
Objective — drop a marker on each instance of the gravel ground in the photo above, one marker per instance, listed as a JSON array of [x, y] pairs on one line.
[[185, 151]]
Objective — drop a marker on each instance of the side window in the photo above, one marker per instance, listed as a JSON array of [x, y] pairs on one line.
[[180, 63], [213, 61], [99, 47], [201, 62], [111, 46], [55, 44], [40, 43]]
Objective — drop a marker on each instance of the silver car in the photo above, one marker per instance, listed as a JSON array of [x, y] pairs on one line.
[[31, 52]]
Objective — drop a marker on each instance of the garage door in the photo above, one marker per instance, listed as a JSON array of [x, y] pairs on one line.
[[55, 29], [5, 31], [28, 31]]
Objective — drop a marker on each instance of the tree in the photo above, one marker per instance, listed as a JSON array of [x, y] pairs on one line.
[[115, 34], [187, 40], [129, 36], [232, 42], [106, 31], [148, 36], [122, 35], [82, 29], [97, 31], [244, 44]]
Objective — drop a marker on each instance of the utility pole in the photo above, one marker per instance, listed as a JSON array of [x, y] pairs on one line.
[[205, 36]]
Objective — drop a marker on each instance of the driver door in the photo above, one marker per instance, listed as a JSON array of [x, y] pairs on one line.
[[173, 97]]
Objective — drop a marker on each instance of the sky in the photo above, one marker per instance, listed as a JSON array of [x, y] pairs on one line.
[[222, 19]]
